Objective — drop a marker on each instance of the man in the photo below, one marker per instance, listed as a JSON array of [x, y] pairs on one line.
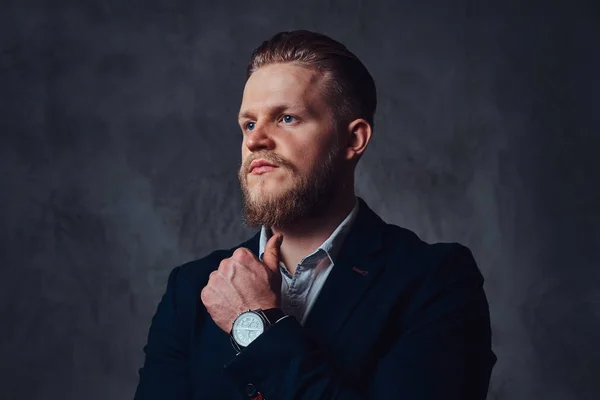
[[326, 301]]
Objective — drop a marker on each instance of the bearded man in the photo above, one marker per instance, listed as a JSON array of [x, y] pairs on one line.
[[326, 301]]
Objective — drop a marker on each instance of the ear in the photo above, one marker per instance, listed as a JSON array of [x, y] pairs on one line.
[[358, 137]]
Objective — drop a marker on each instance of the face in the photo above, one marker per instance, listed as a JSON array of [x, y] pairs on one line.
[[286, 122]]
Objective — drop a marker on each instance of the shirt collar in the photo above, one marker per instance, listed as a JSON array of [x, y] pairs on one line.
[[329, 247]]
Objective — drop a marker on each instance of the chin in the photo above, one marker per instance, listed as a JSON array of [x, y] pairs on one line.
[[262, 195], [265, 184]]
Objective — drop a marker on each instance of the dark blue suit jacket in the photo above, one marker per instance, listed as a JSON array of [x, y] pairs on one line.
[[397, 318]]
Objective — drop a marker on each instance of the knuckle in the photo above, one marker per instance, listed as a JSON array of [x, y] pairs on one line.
[[212, 274], [241, 254], [224, 266]]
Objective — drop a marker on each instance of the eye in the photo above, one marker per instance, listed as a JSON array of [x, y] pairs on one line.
[[288, 119], [249, 125]]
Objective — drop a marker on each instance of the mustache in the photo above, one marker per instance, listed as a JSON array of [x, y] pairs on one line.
[[270, 157]]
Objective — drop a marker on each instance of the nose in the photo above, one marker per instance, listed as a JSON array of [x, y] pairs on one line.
[[259, 139]]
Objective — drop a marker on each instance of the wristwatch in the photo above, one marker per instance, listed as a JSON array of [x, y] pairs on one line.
[[250, 324]]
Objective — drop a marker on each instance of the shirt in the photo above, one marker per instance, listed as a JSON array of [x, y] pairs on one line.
[[299, 291]]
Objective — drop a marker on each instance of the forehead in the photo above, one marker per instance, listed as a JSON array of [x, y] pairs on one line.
[[276, 84]]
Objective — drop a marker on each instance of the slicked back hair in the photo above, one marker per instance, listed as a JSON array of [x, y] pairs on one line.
[[348, 84]]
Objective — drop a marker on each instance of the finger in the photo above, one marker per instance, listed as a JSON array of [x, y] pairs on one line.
[[243, 254], [272, 252], [205, 296]]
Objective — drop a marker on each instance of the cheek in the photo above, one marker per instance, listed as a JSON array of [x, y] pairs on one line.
[[309, 160]]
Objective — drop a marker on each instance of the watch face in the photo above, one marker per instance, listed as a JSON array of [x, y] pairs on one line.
[[247, 327]]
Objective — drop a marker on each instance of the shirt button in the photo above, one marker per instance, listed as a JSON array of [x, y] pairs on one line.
[[294, 303], [251, 390]]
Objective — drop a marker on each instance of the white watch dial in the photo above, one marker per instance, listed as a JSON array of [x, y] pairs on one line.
[[247, 327]]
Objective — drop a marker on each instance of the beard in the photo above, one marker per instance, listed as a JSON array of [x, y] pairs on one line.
[[309, 197]]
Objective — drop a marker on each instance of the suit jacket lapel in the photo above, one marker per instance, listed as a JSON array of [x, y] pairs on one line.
[[355, 269]]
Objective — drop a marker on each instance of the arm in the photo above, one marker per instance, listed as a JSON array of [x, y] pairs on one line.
[[165, 374], [444, 352]]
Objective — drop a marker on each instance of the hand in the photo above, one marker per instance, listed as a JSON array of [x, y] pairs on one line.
[[244, 283]]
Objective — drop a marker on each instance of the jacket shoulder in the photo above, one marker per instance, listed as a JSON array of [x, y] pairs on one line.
[[425, 257]]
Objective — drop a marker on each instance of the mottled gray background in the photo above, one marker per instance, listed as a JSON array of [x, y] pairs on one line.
[[119, 150]]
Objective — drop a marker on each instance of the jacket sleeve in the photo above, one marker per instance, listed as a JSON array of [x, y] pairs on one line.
[[444, 352], [165, 373]]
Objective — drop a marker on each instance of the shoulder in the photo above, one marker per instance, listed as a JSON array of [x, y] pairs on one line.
[[434, 279], [411, 255]]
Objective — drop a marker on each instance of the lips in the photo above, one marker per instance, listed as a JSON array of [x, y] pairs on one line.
[[261, 166]]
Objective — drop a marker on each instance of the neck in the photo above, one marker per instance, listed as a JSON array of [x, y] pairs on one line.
[[305, 236]]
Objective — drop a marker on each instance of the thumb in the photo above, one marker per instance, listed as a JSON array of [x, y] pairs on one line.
[[272, 253]]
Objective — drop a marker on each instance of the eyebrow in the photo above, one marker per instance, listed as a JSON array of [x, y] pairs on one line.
[[276, 109]]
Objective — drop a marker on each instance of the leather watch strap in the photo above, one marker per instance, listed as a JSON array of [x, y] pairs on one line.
[[273, 315]]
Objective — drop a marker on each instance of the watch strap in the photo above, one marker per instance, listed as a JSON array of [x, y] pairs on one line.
[[272, 315]]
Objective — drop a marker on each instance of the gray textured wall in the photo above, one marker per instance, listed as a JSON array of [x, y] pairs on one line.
[[119, 150]]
